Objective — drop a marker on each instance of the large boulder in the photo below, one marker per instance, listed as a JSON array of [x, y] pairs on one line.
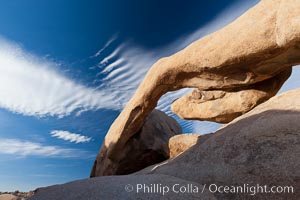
[[8, 197], [130, 187], [257, 46], [148, 146], [262, 147], [180, 143], [225, 105]]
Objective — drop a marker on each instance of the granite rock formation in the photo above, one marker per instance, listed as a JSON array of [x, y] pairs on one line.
[[258, 46]]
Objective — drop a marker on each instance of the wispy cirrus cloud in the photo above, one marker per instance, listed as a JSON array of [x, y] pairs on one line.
[[107, 44], [23, 148], [30, 86], [68, 136]]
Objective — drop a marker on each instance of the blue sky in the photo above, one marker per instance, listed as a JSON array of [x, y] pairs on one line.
[[67, 68]]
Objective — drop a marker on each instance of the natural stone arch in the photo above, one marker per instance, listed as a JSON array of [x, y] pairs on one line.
[[261, 44]]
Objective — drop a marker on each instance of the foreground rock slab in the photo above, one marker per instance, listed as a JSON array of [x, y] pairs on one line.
[[149, 146], [124, 188], [261, 147]]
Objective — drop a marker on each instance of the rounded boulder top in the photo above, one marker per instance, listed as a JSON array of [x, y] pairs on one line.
[[8, 197]]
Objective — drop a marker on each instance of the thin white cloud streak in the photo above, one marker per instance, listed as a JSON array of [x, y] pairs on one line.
[[109, 57], [21, 148], [111, 66], [107, 44], [68, 136], [31, 86], [131, 63]]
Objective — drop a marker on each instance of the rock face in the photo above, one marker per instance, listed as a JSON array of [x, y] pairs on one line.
[[149, 146], [122, 187], [261, 147], [259, 45]]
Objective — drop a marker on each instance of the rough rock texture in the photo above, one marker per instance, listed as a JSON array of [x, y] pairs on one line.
[[149, 146], [257, 46], [261, 147], [223, 106], [180, 143], [114, 188], [8, 197]]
